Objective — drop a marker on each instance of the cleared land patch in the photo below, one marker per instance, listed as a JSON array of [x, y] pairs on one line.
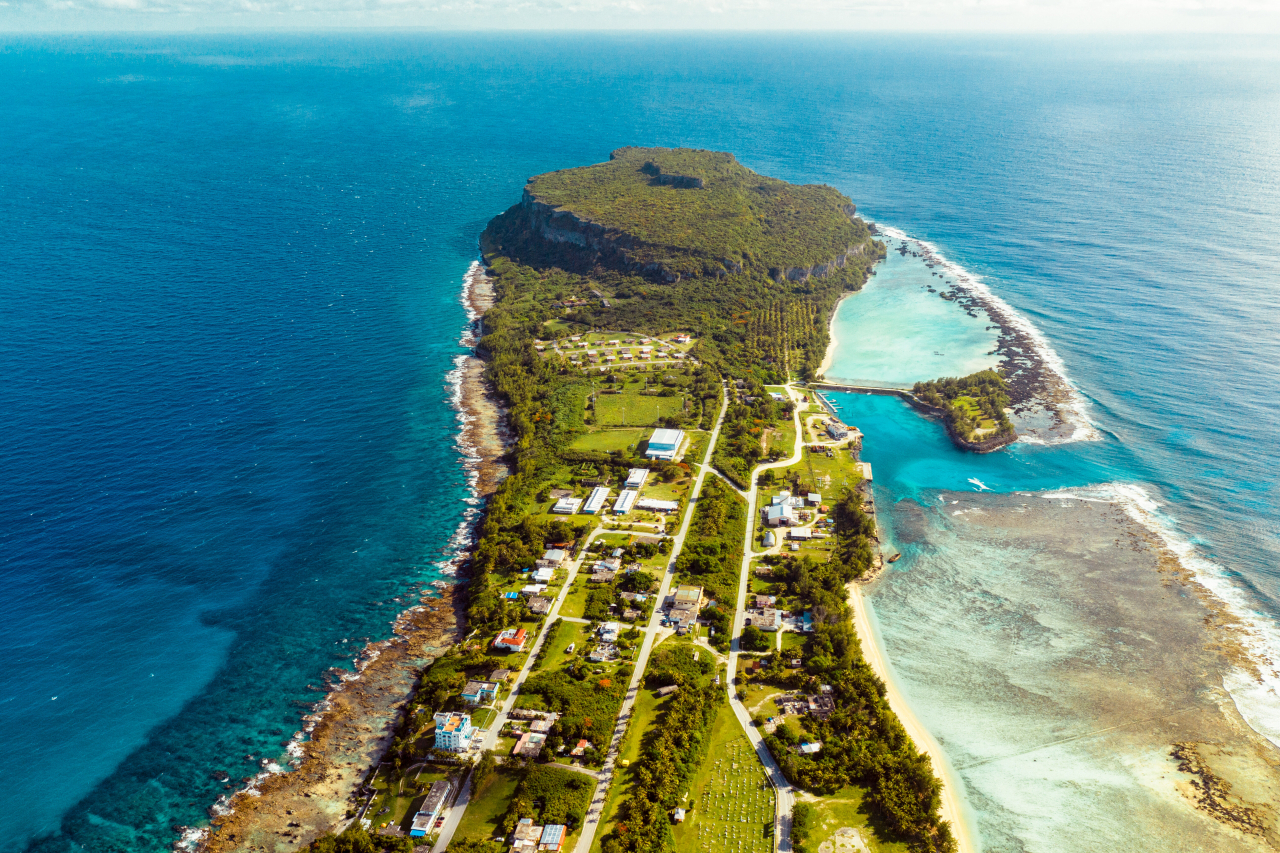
[[630, 408]]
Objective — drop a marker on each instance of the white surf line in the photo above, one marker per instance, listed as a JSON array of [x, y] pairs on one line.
[[1256, 694], [979, 486], [1075, 408]]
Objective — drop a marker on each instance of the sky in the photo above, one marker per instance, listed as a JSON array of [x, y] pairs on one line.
[[1054, 16]]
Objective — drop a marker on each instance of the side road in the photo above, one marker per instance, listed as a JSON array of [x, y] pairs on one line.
[[592, 824]]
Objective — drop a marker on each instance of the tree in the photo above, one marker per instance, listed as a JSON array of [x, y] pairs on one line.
[[755, 640]]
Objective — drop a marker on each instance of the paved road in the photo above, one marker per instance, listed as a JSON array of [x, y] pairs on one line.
[[595, 812], [454, 815], [785, 799]]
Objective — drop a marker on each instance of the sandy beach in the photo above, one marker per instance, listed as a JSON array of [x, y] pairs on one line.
[[832, 343], [871, 651]]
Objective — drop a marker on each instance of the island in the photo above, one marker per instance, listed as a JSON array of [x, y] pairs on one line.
[[659, 649], [973, 408]]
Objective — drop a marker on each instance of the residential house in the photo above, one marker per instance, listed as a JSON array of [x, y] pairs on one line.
[[553, 835], [540, 605], [511, 640], [687, 598], [479, 692], [526, 836], [529, 745]]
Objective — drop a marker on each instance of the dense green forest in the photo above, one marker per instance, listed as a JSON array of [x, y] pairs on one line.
[[732, 218], [973, 406]]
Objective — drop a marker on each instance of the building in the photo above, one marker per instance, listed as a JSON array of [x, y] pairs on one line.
[[554, 558], [552, 837], [664, 444], [454, 731], [540, 605], [663, 692], [541, 727], [431, 808], [544, 575], [636, 478], [631, 614], [778, 516], [837, 431], [479, 692], [625, 501], [529, 745], [567, 506], [769, 539], [599, 576], [764, 602], [811, 748], [678, 815], [581, 748], [802, 534], [595, 502], [609, 632], [655, 505], [778, 397], [814, 499], [766, 620], [603, 653], [687, 598], [500, 676], [511, 640], [526, 836], [533, 589]]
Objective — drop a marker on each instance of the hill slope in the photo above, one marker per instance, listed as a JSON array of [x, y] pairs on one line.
[[673, 213]]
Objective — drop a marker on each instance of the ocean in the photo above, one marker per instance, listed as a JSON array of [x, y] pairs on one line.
[[232, 275]]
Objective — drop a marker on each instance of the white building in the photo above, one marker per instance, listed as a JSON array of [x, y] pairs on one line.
[[596, 502], [636, 478], [654, 505], [567, 506], [625, 502], [454, 731], [665, 444]]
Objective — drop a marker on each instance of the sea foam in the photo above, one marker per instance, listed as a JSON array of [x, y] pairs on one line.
[[1256, 693]]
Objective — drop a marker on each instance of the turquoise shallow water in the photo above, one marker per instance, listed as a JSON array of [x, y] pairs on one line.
[[894, 332]]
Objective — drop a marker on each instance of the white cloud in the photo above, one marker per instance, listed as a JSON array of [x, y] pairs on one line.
[[822, 15]]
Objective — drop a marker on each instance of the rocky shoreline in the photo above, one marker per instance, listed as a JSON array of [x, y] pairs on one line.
[[346, 733]]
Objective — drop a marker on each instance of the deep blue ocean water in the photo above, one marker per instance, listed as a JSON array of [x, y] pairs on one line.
[[230, 278]]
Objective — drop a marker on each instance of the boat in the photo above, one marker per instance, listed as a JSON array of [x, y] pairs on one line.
[[895, 558]]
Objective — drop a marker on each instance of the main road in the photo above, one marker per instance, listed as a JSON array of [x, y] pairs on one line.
[[595, 812]]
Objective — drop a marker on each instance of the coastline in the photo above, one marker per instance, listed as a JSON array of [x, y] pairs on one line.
[[1046, 406], [832, 343], [344, 735], [875, 657]]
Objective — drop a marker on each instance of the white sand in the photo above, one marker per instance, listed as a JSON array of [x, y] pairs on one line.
[[951, 811], [832, 343]]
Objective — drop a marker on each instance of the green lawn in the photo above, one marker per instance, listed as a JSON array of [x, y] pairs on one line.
[[487, 806], [730, 801], [792, 640], [630, 408], [482, 717], [562, 634], [844, 809], [643, 713], [576, 601], [611, 439], [783, 437]]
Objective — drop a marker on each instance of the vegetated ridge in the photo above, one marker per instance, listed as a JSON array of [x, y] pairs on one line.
[[972, 407]]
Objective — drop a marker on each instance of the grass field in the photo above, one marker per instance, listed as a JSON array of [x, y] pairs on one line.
[[730, 800], [844, 809], [643, 713], [633, 409], [487, 806], [576, 601], [611, 439]]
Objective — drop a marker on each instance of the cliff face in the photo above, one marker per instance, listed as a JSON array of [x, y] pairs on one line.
[[595, 244]]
